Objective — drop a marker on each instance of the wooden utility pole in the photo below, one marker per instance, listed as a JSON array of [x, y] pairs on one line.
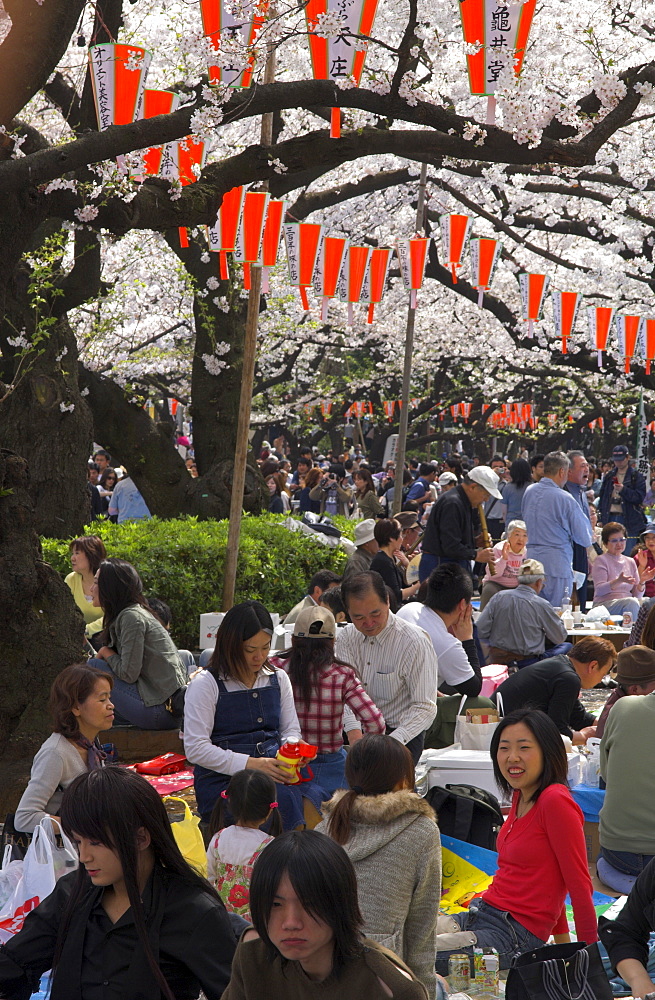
[[401, 447], [247, 383]]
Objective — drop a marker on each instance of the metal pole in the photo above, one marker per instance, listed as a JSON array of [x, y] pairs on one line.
[[407, 368], [247, 382]]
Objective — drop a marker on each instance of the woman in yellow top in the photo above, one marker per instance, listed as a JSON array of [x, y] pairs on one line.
[[86, 555]]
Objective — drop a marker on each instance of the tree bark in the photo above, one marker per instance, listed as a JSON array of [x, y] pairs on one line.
[[41, 630]]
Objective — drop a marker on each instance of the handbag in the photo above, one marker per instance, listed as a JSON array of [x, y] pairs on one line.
[[15, 839], [571, 971], [472, 736], [189, 838]]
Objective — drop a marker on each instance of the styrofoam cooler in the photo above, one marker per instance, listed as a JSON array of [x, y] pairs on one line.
[[210, 623], [454, 766]]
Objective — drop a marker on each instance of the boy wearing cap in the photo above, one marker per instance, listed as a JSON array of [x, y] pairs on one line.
[[635, 674], [622, 493]]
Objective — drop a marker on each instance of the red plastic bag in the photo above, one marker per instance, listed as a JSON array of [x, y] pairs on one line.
[[167, 763]]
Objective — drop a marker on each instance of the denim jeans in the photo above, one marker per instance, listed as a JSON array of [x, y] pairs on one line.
[[493, 929], [328, 770], [625, 861], [129, 705]]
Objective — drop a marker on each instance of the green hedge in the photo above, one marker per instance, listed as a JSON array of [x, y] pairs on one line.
[[182, 562]]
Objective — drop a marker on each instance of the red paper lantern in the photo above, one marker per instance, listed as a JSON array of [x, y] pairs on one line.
[[484, 257], [376, 278], [336, 58], [647, 342], [565, 310], [302, 241], [328, 268], [271, 240], [454, 233], [156, 102], [222, 21], [351, 279], [533, 292], [412, 255], [183, 161], [627, 333], [118, 77], [251, 231], [600, 321], [223, 234]]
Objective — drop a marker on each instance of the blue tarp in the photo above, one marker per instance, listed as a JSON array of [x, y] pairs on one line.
[[590, 801]]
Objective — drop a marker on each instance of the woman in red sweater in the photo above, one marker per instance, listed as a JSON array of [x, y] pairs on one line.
[[541, 847]]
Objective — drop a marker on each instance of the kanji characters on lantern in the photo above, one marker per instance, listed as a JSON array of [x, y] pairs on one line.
[[454, 233], [565, 310], [336, 57], [251, 231], [223, 234], [600, 321], [118, 76], [302, 241], [412, 255], [183, 161], [233, 29], [627, 332], [484, 257], [329, 263], [154, 103], [351, 278], [375, 279], [646, 342], [271, 239]]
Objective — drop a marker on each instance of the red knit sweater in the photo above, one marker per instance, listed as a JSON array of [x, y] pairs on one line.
[[541, 857]]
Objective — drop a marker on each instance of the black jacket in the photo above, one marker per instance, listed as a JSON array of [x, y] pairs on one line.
[[551, 685], [627, 936], [190, 933], [452, 527]]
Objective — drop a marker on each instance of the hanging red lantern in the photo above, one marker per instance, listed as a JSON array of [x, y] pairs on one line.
[[118, 77], [225, 22], [465, 410], [271, 240], [600, 320], [302, 241], [183, 161], [154, 103], [565, 310], [223, 234], [627, 333], [454, 233], [251, 230], [647, 342], [412, 255], [336, 58], [351, 279], [484, 257], [497, 29], [376, 278], [533, 292], [328, 268]]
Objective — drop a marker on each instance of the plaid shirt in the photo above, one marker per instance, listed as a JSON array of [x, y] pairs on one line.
[[321, 722]]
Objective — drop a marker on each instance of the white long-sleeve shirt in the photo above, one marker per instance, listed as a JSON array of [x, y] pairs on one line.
[[202, 696], [398, 669]]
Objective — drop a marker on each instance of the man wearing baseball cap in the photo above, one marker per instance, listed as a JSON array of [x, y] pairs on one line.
[[447, 481], [360, 560], [622, 494], [453, 524], [635, 674]]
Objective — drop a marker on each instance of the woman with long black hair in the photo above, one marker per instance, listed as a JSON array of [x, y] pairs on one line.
[[238, 711], [135, 920], [149, 676]]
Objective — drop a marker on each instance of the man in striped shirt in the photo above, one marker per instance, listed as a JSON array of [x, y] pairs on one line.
[[395, 660]]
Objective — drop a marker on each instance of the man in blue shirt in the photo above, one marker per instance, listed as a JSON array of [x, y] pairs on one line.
[[420, 491], [126, 502], [576, 485], [554, 521]]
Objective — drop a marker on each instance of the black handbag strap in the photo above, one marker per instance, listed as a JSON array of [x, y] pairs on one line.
[[556, 989]]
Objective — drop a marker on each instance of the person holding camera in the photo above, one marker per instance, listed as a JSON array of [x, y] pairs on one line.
[[332, 493]]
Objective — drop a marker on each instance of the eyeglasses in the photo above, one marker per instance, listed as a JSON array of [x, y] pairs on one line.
[[616, 541]]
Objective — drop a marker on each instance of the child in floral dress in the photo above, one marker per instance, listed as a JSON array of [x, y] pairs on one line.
[[233, 850]]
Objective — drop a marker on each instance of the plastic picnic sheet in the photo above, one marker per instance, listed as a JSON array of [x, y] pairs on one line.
[[168, 784], [590, 800]]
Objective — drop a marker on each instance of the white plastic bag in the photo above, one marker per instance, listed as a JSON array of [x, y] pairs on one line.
[[475, 736], [43, 864]]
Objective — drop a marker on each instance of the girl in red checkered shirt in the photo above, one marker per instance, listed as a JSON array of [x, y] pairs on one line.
[[322, 686]]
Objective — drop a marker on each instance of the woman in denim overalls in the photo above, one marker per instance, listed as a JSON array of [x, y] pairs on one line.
[[237, 713]]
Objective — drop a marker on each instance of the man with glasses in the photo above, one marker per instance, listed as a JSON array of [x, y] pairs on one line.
[[554, 522], [453, 524]]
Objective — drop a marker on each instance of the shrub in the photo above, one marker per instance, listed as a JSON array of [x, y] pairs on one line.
[[182, 562]]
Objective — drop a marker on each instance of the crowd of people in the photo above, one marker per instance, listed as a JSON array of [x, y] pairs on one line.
[[329, 882]]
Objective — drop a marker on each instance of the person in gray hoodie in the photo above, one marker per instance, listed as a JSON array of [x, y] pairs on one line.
[[392, 839]]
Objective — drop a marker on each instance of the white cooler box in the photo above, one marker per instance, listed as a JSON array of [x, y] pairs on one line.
[[454, 766], [209, 625]]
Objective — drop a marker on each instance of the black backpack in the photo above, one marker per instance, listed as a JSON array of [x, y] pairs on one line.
[[467, 813]]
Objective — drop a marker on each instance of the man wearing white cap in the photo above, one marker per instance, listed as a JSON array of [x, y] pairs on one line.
[[360, 560], [447, 481], [453, 523]]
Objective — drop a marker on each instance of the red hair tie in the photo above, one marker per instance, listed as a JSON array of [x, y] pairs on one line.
[[224, 794], [273, 805]]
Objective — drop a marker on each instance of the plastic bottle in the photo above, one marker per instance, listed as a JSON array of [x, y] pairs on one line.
[[293, 755], [592, 769]]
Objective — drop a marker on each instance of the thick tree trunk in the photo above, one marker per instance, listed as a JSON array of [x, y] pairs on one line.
[[41, 630]]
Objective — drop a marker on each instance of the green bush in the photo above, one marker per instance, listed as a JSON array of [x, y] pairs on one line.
[[182, 562]]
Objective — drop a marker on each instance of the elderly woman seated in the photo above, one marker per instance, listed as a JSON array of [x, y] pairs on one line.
[[510, 555]]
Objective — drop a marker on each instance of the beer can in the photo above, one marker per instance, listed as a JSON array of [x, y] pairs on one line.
[[627, 619], [459, 973]]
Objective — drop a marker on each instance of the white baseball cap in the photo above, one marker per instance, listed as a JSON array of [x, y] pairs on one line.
[[485, 477], [365, 531], [447, 477]]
